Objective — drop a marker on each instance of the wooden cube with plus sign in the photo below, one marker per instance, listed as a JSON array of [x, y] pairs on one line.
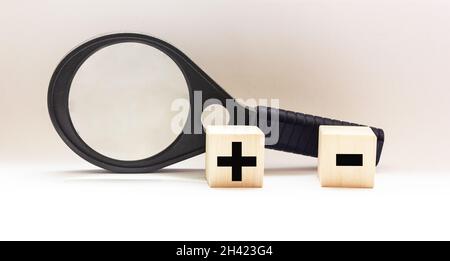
[[234, 156]]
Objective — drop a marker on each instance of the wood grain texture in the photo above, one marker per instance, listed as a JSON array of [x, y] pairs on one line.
[[219, 141], [349, 140]]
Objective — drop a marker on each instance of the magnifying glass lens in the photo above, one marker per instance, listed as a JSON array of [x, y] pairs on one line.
[[120, 101]]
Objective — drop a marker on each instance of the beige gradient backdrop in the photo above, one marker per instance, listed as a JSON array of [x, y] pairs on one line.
[[383, 63]]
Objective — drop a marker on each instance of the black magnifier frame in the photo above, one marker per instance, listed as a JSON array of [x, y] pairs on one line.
[[298, 132]]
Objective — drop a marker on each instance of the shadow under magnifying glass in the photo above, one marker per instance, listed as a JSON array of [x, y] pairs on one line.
[[291, 171], [108, 176], [168, 174]]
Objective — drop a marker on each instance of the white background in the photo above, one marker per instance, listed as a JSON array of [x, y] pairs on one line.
[[383, 63]]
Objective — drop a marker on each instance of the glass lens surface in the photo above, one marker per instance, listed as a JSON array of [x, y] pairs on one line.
[[121, 100]]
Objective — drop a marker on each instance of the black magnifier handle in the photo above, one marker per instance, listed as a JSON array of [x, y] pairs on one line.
[[299, 133]]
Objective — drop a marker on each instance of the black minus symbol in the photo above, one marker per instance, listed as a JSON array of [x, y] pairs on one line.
[[349, 159]]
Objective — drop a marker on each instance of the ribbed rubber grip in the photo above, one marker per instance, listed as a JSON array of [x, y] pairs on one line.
[[299, 133]]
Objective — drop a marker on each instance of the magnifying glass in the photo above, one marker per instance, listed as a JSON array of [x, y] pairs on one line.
[[111, 100]]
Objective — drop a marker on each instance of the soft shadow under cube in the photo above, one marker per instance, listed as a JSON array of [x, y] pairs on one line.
[[234, 156], [347, 156]]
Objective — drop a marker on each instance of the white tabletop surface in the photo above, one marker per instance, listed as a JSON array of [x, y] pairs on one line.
[[84, 202]]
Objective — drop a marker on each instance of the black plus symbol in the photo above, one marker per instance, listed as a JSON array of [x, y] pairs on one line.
[[236, 161]]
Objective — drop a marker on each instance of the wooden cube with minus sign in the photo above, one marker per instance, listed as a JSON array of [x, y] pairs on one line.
[[347, 156]]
